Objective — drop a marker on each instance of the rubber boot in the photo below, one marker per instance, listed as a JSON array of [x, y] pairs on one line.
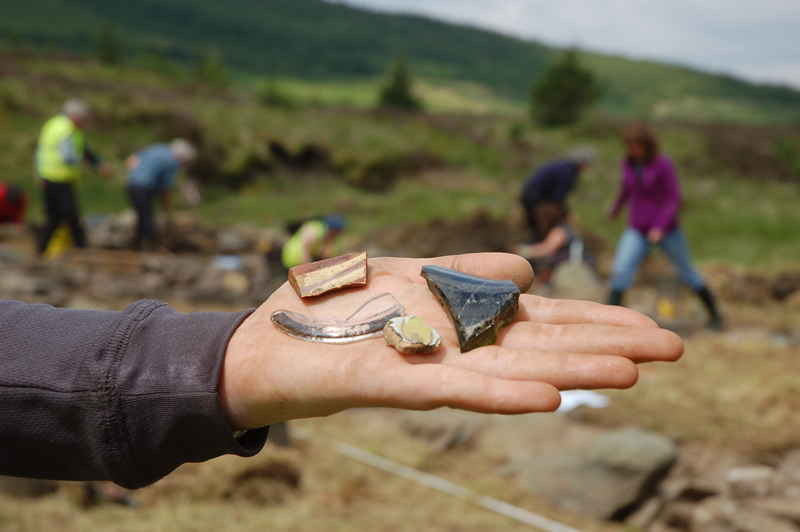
[[715, 320], [615, 298]]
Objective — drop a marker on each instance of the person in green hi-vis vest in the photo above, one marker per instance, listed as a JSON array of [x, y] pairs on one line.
[[60, 154], [313, 240]]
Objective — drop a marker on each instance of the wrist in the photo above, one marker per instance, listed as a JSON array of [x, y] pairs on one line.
[[235, 384], [250, 382]]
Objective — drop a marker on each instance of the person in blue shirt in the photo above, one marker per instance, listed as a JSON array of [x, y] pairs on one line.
[[551, 183], [152, 172]]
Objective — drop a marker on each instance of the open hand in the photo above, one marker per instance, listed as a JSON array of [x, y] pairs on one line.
[[553, 345], [655, 236]]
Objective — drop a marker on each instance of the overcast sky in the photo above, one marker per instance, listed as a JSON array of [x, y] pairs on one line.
[[755, 40]]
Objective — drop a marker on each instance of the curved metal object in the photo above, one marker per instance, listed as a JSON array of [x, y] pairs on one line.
[[365, 323]]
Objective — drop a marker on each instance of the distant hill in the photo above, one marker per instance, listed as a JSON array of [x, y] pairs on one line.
[[312, 39]]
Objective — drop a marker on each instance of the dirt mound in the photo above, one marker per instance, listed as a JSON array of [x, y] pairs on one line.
[[477, 234], [734, 284], [786, 285], [752, 151], [267, 484], [307, 157]]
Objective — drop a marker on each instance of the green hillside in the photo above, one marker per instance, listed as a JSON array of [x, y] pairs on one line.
[[302, 38], [315, 40]]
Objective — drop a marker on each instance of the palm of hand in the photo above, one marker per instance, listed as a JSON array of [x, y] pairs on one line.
[[270, 377]]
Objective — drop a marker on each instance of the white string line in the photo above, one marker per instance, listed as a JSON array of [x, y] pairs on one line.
[[490, 503]]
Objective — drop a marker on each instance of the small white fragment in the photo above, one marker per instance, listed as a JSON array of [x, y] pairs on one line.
[[572, 399], [411, 335]]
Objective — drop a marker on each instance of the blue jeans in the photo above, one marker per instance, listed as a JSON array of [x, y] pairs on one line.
[[632, 250]]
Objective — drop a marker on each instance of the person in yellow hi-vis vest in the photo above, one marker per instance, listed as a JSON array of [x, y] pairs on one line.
[[60, 154], [313, 240]]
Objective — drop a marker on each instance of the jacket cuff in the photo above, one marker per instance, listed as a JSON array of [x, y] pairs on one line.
[[160, 406]]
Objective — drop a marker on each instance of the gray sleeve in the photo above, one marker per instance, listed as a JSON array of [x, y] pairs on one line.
[[67, 151], [121, 396]]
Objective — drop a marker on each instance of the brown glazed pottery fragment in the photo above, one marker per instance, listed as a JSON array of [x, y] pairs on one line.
[[317, 278]]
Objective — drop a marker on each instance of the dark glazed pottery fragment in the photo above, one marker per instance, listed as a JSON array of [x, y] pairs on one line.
[[478, 307]]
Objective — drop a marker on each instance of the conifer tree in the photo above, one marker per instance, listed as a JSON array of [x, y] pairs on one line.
[[107, 46], [211, 68], [398, 88], [564, 92]]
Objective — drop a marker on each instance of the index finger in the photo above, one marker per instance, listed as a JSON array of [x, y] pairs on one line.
[[500, 266], [567, 312]]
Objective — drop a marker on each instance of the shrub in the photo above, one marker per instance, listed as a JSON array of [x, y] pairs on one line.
[[398, 89], [270, 94], [210, 68], [107, 46], [564, 92]]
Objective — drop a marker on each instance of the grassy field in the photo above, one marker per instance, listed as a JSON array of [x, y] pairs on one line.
[[470, 152], [440, 96]]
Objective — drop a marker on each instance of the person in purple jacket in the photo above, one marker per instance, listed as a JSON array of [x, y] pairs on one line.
[[650, 186]]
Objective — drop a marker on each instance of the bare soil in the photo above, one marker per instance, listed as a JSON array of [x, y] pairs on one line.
[[734, 392]]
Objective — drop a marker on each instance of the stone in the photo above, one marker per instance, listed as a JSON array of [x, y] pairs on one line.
[[9, 255], [115, 231], [366, 322], [751, 481], [443, 429], [786, 285], [646, 514], [262, 284], [706, 469], [675, 487], [228, 263], [151, 284], [752, 521], [236, 282], [661, 527], [232, 242], [793, 301], [787, 482], [186, 270], [84, 303], [713, 514], [317, 278], [215, 284], [411, 335], [677, 514], [77, 276], [577, 280], [17, 285], [781, 507], [280, 434], [719, 513], [610, 478], [478, 307]]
